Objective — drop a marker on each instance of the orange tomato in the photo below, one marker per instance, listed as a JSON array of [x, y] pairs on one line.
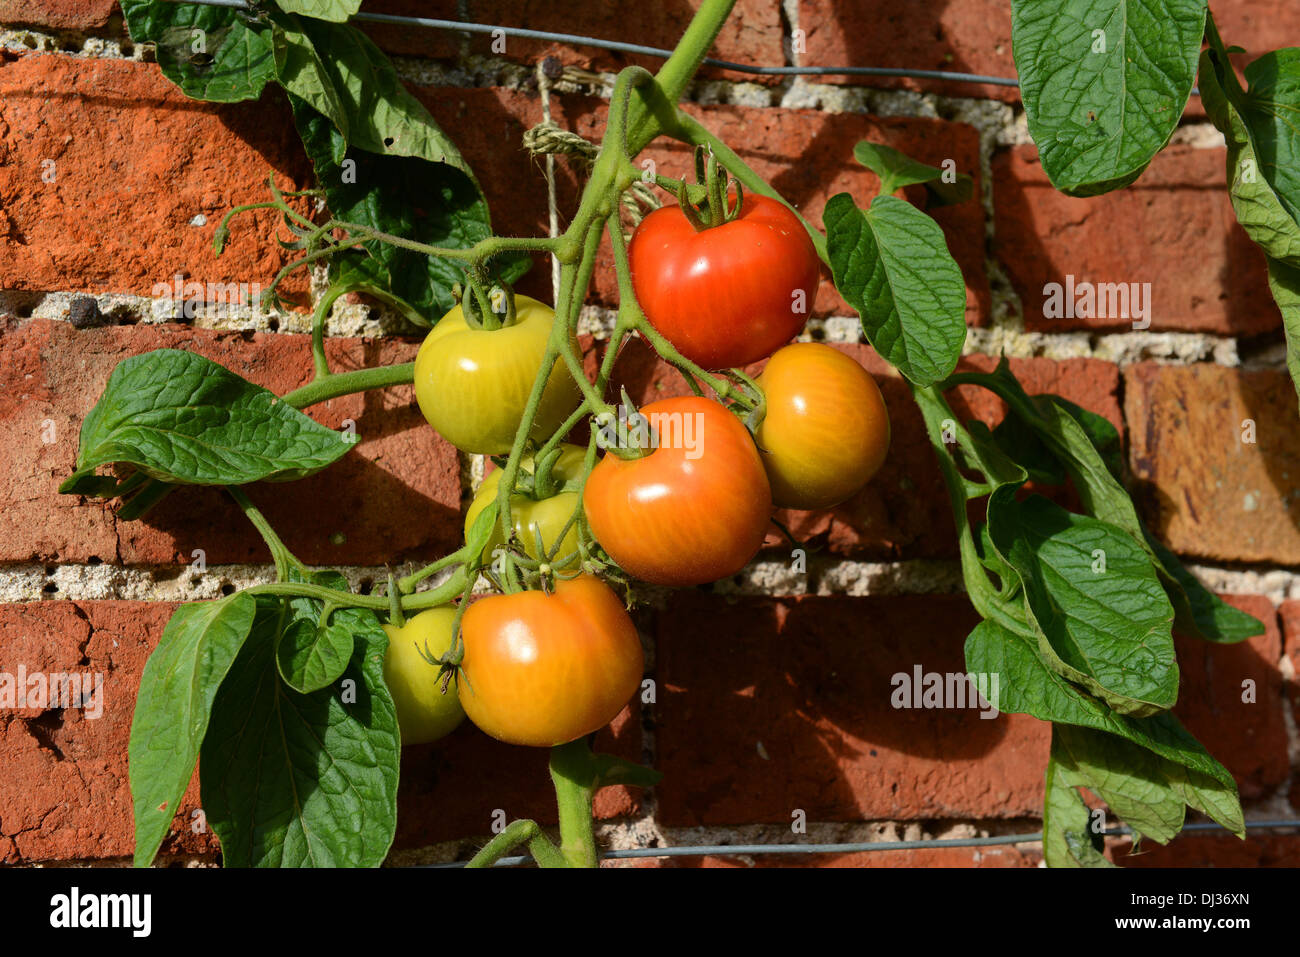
[[826, 431], [694, 510], [545, 669]]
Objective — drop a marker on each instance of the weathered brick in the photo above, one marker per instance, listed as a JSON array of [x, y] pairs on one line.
[[454, 788], [59, 14], [1174, 228], [401, 39], [751, 35], [903, 512], [1248, 737], [136, 164], [1208, 490], [1215, 849], [397, 493], [969, 37], [770, 707], [64, 794]]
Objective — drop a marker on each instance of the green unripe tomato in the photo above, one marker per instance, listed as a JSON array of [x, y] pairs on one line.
[[533, 517], [424, 713], [473, 384]]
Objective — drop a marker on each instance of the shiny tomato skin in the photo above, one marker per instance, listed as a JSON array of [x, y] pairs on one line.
[[826, 431], [725, 296], [543, 670], [424, 713], [472, 384], [678, 517], [534, 518]]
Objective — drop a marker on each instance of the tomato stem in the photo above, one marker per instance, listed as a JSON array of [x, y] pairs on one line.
[[573, 772], [515, 834]]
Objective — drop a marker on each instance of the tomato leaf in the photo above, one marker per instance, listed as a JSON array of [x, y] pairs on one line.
[[1284, 283], [1101, 616], [431, 203], [1104, 83], [336, 10], [173, 707], [897, 170], [1069, 838], [295, 780], [310, 657], [212, 53], [892, 265], [179, 417]]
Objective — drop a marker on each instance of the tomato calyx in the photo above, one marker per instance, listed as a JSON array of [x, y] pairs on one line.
[[486, 309], [716, 209]]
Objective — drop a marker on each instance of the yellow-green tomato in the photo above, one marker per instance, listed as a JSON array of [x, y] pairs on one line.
[[424, 713], [473, 384], [532, 517]]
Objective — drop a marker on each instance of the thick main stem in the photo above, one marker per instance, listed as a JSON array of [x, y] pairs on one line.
[[573, 773]]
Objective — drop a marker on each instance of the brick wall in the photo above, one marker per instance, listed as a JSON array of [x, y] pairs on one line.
[[774, 687]]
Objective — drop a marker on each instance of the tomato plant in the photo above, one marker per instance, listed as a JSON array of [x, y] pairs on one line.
[[692, 510], [544, 669], [725, 277], [729, 293], [826, 429]]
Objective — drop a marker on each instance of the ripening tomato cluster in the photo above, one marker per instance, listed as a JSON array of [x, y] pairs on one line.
[[546, 667]]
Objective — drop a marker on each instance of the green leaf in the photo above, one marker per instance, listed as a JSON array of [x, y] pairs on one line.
[[893, 266], [302, 73], [1198, 612], [310, 657], [294, 780], [1284, 282], [179, 417], [1026, 685], [1069, 839], [1104, 83], [897, 170], [1259, 136], [383, 117], [431, 203], [1103, 619], [172, 709], [1130, 779], [212, 53], [336, 10]]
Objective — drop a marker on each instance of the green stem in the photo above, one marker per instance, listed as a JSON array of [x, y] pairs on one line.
[[281, 555], [318, 328], [345, 383], [516, 833], [444, 593], [689, 130], [480, 252], [574, 775]]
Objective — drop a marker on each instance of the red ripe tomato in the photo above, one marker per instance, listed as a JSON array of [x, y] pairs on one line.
[[729, 295], [544, 669], [692, 511], [826, 431]]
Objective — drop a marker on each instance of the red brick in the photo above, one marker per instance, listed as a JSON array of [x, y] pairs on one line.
[[995, 856], [808, 684], [751, 35], [1216, 849], [969, 37], [452, 789], [397, 493], [903, 512], [65, 794], [1249, 738], [407, 40], [59, 14], [1173, 228], [1205, 492], [135, 162]]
